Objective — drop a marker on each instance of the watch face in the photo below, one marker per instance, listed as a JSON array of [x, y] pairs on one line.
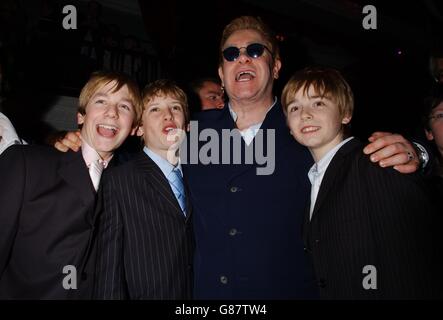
[[422, 154]]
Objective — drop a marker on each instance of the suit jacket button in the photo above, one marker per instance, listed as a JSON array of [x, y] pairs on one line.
[[322, 283], [232, 232], [224, 279], [234, 189]]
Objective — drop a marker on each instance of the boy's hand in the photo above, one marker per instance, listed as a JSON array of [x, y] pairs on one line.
[[392, 150], [70, 141]]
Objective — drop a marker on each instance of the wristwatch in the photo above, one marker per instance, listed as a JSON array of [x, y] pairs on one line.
[[423, 155]]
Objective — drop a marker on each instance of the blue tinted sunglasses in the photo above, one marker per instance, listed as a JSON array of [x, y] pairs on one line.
[[254, 50]]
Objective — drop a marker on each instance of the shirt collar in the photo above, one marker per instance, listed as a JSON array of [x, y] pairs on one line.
[[162, 163], [235, 116], [7, 130], [320, 167], [90, 155]]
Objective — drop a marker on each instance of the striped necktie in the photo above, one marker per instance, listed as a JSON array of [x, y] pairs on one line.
[[176, 180], [95, 171]]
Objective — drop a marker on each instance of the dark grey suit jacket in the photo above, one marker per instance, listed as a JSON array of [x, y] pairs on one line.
[[145, 243], [46, 223], [367, 215]]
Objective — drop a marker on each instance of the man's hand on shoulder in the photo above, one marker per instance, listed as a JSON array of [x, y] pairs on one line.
[[71, 141], [392, 150]]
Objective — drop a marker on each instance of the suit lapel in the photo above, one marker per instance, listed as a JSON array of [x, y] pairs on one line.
[[188, 200], [74, 172], [155, 177], [333, 172]]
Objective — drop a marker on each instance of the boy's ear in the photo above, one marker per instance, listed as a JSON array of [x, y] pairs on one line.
[[429, 135], [80, 118], [346, 119], [133, 131], [139, 130]]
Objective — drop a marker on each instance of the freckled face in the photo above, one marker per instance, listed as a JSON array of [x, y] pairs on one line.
[[108, 119], [315, 122], [161, 119]]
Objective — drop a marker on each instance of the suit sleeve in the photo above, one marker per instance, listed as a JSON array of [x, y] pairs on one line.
[[12, 188], [110, 279], [402, 221]]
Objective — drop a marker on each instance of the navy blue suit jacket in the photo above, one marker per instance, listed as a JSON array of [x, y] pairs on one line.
[[248, 226]]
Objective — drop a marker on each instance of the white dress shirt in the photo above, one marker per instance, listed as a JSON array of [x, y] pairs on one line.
[[8, 135], [317, 172], [248, 134]]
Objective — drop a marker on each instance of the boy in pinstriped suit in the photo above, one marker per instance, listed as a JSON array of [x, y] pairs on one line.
[[145, 243], [371, 232]]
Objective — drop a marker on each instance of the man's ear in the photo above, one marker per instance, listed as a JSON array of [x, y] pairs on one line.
[[429, 135], [220, 74], [80, 118], [276, 68]]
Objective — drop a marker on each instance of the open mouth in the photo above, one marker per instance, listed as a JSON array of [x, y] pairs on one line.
[[245, 76], [169, 129], [107, 131], [309, 129]]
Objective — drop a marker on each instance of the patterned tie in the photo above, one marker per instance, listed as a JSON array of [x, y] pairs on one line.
[[95, 171], [176, 180]]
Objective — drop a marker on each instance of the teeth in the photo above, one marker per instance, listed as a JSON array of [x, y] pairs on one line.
[[251, 73], [309, 129], [108, 127]]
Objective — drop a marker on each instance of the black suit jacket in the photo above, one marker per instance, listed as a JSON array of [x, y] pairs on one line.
[[145, 244], [366, 215], [46, 222]]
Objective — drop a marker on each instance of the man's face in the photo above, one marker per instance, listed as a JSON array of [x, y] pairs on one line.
[[162, 117], [246, 78], [436, 124], [439, 63], [211, 96], [108, 119], [315, 122]]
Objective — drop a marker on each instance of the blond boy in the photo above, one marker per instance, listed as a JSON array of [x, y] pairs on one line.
[[368, 230], [47, 197]]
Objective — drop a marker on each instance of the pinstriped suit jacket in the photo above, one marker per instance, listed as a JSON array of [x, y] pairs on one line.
[[366, 215], [144, 242]]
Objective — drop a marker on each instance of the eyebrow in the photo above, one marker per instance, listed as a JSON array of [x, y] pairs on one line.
[[172, 102], [318, 96], [214, 92], [106, 95]]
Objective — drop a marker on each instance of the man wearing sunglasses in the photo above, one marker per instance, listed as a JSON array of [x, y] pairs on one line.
[[247, 226]]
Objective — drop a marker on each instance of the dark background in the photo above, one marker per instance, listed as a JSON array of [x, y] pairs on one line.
[[388, 68]]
